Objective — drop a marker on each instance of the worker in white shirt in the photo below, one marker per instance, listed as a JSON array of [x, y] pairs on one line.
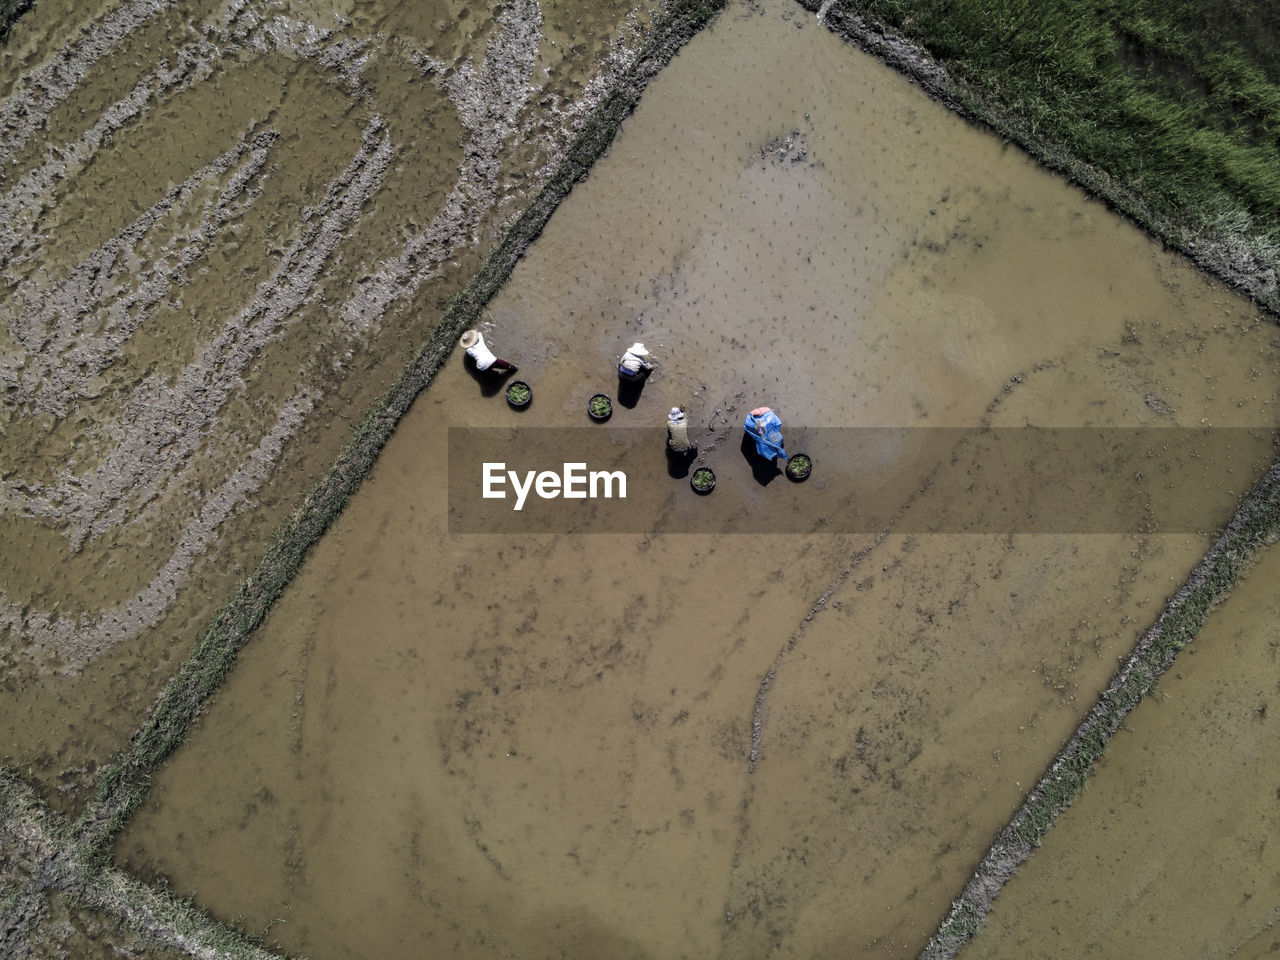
[[635, 364], [473, 342]]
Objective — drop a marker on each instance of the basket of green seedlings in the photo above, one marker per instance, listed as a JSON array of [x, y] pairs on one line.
[[599, 407], [519, 394], [703, 480], [799, 466]]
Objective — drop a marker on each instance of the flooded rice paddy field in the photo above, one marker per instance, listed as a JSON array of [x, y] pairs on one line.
[[224, 227], [1170, 851], [579, 744]]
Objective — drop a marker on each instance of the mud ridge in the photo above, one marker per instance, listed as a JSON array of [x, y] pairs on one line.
[[38, 845], [79, 640], [24, 111], [166, 424], [54, 325], [23, 204], [81, 322], [488, 99]]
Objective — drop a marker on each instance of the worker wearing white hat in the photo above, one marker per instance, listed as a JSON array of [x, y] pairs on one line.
[[635, 363], [473, 342], [678, 432]]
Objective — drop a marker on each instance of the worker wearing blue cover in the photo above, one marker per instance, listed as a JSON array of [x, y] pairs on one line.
[[764, 427]]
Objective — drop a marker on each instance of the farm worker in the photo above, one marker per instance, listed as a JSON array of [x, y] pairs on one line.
[[764, 427], [635, 363], [678, 432], [473, 342]]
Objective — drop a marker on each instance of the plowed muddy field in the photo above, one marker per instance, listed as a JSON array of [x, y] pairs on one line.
[[224, 227]]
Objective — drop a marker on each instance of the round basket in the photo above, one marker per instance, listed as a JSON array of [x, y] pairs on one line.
[[519, 394], [600, 407], [799, 467], [703, 480]]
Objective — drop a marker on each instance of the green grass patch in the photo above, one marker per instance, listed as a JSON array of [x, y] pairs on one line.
[[1181, 98], [1167, 109]]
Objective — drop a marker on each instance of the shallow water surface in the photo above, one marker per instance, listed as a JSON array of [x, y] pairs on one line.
[[1170, 851], [676, 745]]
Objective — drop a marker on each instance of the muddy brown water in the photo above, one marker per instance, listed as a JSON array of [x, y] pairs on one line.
[[1170, 851], [539, 745], [225, 226]]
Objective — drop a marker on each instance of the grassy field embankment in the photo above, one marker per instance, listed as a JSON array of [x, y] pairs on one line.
[[1167, 109]]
